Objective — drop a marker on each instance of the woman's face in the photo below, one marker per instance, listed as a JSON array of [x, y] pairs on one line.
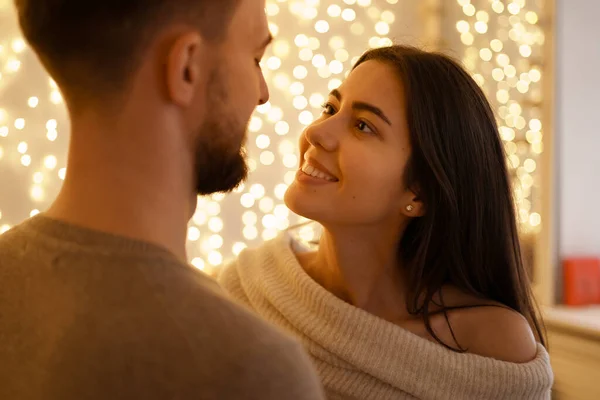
[[353, 156]]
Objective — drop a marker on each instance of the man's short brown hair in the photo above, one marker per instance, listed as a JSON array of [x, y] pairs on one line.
[[91, 47]]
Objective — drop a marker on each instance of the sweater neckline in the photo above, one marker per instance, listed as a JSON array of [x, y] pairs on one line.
[[69, 236], [371, 344]]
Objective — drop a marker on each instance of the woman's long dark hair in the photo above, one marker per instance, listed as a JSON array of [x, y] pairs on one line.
[[468, 236]]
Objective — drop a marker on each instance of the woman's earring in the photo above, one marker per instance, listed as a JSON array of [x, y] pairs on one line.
[[409, 208]]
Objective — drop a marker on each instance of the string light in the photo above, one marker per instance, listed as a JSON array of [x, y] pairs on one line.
[[505, 65], [301, 68]]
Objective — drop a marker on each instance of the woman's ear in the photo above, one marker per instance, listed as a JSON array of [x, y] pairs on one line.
[[412, 206]]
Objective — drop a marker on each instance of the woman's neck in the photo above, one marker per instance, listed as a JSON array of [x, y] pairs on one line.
[[361, 267]]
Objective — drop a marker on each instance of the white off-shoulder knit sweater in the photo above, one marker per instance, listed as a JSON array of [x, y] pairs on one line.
[[360, 356]]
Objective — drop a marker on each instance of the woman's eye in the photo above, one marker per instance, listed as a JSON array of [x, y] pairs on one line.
[[364, 127], [328, 109]]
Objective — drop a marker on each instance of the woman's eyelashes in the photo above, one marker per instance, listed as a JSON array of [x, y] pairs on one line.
[[360, 124], [328, 109]]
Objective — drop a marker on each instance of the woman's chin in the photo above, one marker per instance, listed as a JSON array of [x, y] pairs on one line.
[[301, 204]]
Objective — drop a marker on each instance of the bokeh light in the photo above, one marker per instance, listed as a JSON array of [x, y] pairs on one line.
[[316, 42]]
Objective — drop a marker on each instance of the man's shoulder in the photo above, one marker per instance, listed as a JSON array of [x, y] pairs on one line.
[[256, 355], [14, 234], [197, 299], [154, 322]]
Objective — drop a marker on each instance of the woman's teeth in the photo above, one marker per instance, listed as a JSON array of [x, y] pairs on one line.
[[312, 171]]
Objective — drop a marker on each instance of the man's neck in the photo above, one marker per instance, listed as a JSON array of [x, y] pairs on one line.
[[126, 184]]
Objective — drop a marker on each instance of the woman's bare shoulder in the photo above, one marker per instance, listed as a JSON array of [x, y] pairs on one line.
[[494, 330]]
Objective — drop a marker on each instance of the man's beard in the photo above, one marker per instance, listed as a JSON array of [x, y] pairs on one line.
[[220, 156]]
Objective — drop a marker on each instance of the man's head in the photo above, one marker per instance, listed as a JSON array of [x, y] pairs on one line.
[[190, 66]]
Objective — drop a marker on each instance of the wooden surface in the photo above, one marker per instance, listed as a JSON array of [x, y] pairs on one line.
[[574, 336]]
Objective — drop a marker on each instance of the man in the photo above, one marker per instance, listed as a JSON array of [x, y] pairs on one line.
[[96, 300]]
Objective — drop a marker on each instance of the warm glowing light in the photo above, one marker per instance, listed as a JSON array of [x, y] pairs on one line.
[[334, 10], [33, 102], [348, 15], [502, 45], [198, 263], [322, 26], [193, 234]]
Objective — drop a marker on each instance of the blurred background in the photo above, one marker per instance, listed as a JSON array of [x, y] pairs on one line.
[[538, 62]]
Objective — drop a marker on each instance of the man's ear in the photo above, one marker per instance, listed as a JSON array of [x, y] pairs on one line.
[[183, 68]]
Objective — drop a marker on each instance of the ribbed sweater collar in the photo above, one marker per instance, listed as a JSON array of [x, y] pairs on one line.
[[274, 282]]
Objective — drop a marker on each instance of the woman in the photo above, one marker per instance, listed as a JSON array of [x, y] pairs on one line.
[[417, 288]]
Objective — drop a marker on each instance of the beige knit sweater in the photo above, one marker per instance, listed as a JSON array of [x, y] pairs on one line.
[[360, 356]]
